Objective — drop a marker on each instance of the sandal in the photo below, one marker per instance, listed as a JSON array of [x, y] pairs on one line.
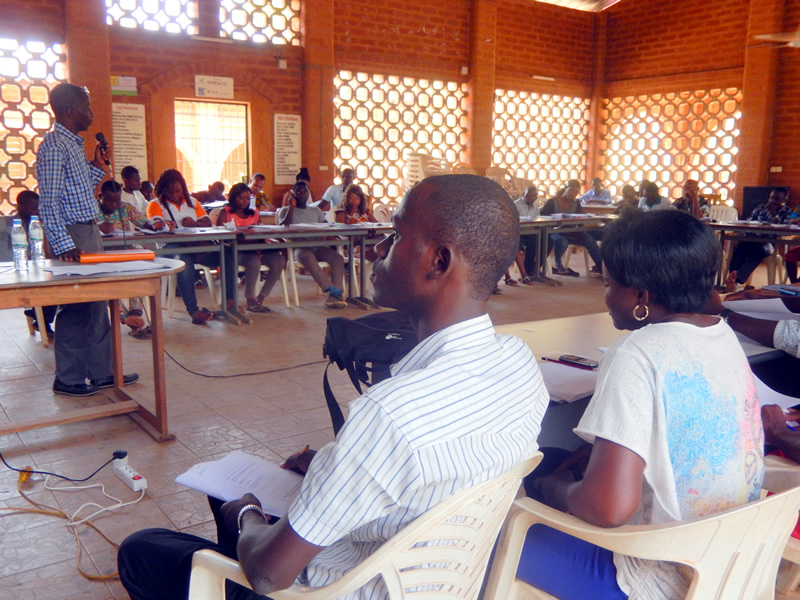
[[510, 281], [143, 333], [565, 271], [201, 316], [254, 305], [528, 280], [497, 290]]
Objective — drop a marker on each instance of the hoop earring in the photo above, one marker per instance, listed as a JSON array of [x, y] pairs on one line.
[[646, 313]]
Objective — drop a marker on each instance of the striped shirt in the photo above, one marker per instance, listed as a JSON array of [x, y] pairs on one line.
[[465, 405], [787, 337], [66, 186]]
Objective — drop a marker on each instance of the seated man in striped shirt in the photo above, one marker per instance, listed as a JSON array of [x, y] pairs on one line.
[[464, 405]]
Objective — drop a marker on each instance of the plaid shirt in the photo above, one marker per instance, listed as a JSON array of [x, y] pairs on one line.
[[66, 186]]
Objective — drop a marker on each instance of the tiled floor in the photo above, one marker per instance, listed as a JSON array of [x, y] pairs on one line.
[[272, 415]]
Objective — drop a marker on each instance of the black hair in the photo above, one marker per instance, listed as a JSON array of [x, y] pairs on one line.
[[258, 176], [651, 185], [165, 181], [669, 253], [781, 190], [234, 192], [128, 172], [302, 175], [110, 186], [147, 183], [26, 195], [299, 184], [362, 205], [64, 96], [475, 216]]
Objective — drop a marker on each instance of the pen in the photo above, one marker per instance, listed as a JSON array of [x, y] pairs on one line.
[[789, 292], [561, 362], [304, 450]]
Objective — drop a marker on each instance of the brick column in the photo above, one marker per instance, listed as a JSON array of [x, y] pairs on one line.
[[208, 18], [483, 45], [89, 60], [318, 92], [758, 96], [594, 147]]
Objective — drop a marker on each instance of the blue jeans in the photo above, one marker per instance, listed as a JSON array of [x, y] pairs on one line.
[[568, 568]]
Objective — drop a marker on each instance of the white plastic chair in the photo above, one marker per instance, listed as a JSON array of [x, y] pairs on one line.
[[284, 285], [382, 213], [453, 571], [733, 554], [781, 474], [172, 286]]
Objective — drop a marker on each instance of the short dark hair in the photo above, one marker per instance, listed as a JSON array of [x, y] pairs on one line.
[[669, 253], [110, 186], [234, 192], [27, 196], [165, 181], [651, 185], [781, 190], [258, 176], [147, 183], [64, 96], [128, 172], [475, 216]]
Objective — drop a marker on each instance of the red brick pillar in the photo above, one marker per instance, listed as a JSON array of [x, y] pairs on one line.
[[318, 92], [758, 96], [594, 146], [483, 45], [89, 60]]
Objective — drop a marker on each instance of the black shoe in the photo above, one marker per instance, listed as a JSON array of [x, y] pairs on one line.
[[107, 382], [78, 389]]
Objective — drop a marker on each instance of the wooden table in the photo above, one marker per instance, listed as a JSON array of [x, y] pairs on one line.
[[38, 287]]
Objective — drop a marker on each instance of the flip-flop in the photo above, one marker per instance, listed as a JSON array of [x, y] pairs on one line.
[[511, 282], [201, 316], [257, 308]]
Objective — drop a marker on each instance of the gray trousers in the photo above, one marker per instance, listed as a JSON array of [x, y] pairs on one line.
[[309, 257], [83, 332], [252, 261]]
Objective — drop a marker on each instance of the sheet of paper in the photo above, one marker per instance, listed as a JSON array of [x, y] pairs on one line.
[[772, 309], [767, 395], [95, 269], [238, 473], [567, 384]]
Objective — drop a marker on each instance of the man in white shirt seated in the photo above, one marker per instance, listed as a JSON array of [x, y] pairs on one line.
[[131, 186], [528, 207], [334, 194], [651, 199], [463, 406], [596, 195]]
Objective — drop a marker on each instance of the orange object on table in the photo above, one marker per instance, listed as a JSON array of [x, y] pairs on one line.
[[116, 256]]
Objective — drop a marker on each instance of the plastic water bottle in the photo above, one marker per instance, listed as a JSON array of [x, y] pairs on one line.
[[36, 235], [19, 244]]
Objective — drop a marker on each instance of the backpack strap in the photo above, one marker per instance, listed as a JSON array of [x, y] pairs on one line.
[[337, 418]]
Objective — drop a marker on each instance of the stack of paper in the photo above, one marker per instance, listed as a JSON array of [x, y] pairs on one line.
[[239, 473], [565, 383]]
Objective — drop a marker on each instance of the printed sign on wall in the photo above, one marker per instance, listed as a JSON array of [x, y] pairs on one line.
[[129, 144], [288, 148], [220, 88]]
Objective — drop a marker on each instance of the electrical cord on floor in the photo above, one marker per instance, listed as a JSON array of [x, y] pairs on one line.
[[71, 522], [32, 471], [188, 370], [43, 509]]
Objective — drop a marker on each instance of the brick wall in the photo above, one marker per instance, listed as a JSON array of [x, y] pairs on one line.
[[534, 38], [42, 20], [651, 38], [786, 129], [417, 38]]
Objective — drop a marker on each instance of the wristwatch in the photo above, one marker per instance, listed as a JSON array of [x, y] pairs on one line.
[[246, 509]]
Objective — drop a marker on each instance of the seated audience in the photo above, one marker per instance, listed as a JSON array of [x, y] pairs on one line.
[[792, 257], [629, 203], [691, 201], [651, 199], [527, 207], [177, 210], [335, 193], [259, 199], [131, 189], [147, 190], [748, 255], [566, 202], [642, 184], [354, 209], [114, 215], [297, 213], [214, 193], [463, 406], [238, 210], [28, 206], [674, 422], [596, 194]]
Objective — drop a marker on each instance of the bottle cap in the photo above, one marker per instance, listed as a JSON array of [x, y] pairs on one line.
[[16, 222], [34, 218]]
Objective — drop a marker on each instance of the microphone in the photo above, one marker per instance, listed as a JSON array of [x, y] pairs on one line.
[[103, 145]]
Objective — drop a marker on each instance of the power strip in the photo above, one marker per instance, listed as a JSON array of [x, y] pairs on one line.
[[127, 474]]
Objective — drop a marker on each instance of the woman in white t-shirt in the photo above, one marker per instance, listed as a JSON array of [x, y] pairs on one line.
[[674, 422]]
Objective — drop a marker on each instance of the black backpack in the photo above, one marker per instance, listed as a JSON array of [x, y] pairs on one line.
[[378, 339]]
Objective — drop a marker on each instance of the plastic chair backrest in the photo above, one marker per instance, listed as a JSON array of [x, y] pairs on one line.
[[720, 212], [382, 213], [734, 554], [441, 554]]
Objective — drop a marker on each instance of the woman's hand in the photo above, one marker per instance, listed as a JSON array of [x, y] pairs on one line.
[[171, 225], [158, 225], [188, 222], [106, 227]]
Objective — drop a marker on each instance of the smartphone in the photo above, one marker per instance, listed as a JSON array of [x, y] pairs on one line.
[[579, 361]]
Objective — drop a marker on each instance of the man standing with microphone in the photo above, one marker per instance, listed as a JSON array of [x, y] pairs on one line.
[[68, 208]]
